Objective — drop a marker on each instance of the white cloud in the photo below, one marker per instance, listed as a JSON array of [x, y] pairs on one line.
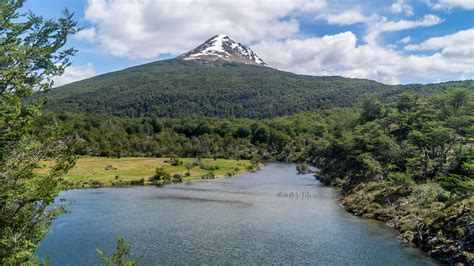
[[146, 28], [339, 54], [387, 26], [89, 34], [457, 48], [449, 4], [75, 73], [461, 39], [405, 40], [401, 7], [377, 25], [314, 5], [347, 17]]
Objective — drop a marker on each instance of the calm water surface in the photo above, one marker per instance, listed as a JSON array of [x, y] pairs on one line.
[[240, 220]]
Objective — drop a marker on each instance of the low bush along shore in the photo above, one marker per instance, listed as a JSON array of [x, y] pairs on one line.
[[104, 172]]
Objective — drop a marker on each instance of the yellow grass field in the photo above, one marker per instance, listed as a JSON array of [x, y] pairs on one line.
[[100, 171]]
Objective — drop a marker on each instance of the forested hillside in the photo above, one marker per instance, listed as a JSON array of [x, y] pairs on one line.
[[176, 88]]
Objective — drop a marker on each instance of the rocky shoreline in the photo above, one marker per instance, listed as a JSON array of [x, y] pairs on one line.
[[440, 226]]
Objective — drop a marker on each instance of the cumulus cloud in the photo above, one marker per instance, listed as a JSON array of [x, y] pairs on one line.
[[146, 28], [457, 48], [387, 26], [377, 25], [340, 54], [448, 4], [401, 7], [347, 17], [75, 73], [462, 40]]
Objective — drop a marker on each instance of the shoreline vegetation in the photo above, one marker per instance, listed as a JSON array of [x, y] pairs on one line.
[[443, 230], [410, 165], [96, 172]]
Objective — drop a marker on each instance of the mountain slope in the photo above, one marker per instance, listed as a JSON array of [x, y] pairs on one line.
[[179, 88], [218, 78]]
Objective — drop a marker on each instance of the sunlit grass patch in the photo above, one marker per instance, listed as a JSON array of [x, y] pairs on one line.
[[101, 171]]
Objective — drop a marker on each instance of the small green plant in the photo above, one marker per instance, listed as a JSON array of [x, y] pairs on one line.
[[302, 168], [402, 179], [160, 174], [110, 167], [120, 257], [209, 175], [177, 178], [174, 161]]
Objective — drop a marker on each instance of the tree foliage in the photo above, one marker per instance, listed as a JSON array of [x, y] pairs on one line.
[[120, 257], [416, 141], [30, 55]]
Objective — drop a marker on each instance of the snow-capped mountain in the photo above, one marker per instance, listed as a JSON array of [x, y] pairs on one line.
[[221, 48]]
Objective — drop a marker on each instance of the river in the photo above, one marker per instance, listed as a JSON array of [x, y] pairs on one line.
[[272, 216]]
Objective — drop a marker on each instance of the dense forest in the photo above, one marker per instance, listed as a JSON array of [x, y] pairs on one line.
[[175, 88], [415, 138]]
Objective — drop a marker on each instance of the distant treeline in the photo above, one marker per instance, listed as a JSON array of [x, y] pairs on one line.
[[414, 138]]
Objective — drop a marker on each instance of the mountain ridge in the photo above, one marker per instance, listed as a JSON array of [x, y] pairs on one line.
[[221, 48]]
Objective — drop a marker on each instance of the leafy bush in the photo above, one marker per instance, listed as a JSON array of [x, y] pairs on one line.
[[120, 257], [160, 174], [402, 179], [208, 167], [174, 161], [110, 167], [209, 175], [177, 178], [138, 182], [302, 168]]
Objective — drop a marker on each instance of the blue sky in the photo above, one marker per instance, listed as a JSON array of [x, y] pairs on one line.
[[397, 41]]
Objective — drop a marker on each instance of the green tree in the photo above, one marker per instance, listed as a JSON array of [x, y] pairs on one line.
[[261, 135], [31, 55], [241, 132], [120, 257], [188, 166], [372, 109], [435, 143]]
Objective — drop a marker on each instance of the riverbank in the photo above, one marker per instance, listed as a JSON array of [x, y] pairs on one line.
[[93, 172], [423, 214]]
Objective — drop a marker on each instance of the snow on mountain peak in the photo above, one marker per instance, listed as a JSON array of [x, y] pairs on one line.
[[221, 48]]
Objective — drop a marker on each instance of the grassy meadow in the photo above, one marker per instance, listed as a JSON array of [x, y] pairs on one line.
[[101, 171]]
